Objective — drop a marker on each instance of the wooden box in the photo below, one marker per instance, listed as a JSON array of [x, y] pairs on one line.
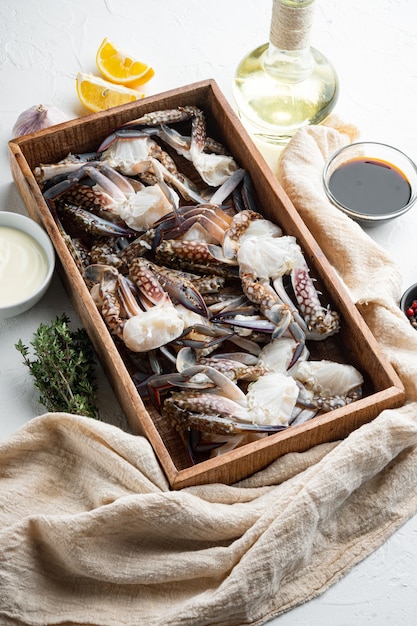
[[354, 343]]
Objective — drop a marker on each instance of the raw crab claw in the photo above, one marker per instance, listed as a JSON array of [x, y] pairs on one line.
[[167, 116], [228, 389], [156, 282], [244, 196], [270, 260], [297, 333], [301, 415], [187, 295], [232, 305], [321, 321], [197, 445], [94, 273], [249, 322], [190, 378], [228, 187]]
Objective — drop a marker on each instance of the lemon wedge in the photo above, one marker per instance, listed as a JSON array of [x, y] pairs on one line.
[[97, 94], [120, 68]]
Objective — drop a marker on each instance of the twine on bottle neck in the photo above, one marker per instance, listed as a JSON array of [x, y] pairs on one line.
[[291, 25]]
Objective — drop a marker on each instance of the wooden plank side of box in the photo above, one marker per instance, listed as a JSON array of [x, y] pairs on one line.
[[355, 344]]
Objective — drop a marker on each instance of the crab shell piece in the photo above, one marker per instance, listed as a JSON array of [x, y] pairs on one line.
[[146, 206], [327, 385], [277, 355], [153, 328], [247, 225]]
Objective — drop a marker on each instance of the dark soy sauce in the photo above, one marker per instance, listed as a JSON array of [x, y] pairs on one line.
[[370, 186]]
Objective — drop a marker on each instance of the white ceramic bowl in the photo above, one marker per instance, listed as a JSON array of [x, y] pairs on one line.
[[30, 227]]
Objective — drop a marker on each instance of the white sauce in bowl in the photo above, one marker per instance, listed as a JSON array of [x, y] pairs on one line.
[[23, 265]]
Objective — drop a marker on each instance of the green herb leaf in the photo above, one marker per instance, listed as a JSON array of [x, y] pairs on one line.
[[63, 369]]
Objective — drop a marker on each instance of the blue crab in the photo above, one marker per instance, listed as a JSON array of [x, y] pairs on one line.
[[209, 157]]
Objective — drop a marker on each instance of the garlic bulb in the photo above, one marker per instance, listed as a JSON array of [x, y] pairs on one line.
[[38, 117]]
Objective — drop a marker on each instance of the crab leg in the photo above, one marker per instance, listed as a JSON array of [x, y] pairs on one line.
[[111, 182], [321, 321], [71, 163], [276, 311], [108, 279], [197, 336], [160, 119], [212, 423], [228, 187], [194, 254], [226, 411], [179, 222], [261, 293], [90, 223], [125, 133]]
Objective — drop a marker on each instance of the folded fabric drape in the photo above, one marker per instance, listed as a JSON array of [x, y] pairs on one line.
[[91, 534]]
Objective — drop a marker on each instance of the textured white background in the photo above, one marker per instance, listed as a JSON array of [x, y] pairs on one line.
[[373, 46]]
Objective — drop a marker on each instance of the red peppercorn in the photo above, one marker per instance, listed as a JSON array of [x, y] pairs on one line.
[[414, 305], [409, 312]]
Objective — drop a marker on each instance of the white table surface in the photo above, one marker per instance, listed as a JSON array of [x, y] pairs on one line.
[[373, 46]]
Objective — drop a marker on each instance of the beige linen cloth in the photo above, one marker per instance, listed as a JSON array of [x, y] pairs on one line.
[[91, 534]]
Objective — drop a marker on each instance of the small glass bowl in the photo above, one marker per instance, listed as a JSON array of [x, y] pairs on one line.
[[30, 227], [373, 151]]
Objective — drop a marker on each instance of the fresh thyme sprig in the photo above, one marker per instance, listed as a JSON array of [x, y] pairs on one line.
[[63, 368]]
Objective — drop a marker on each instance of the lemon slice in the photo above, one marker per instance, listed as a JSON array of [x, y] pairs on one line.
[[121, 68], [98, 94]]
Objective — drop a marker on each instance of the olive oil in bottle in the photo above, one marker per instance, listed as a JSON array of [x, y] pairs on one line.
[[285, 84]]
